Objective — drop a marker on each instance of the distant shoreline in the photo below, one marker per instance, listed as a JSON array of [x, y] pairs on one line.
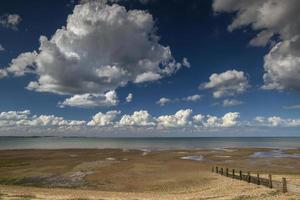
[[179, 137], [152, 143]]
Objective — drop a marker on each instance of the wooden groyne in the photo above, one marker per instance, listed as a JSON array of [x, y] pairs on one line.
[[256, 178]]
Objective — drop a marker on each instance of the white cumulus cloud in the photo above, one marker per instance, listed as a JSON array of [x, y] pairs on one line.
[[271, 18], [101, 48], [163, 101], [129, 98], [23, 64], [198, 118], [15, 122], [179, 119], [3, 73], [282, 66], [24, 119], [138, 118], [107, 99], [229, 83], [228, 120], [104, 119], [276, 121]]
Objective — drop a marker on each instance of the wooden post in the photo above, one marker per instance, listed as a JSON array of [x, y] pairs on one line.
[[217, 170], [270, 181], [241, 175], [233, 176], [258, 180], [249, 177], [284, 187], [227, 172], [222, 171]]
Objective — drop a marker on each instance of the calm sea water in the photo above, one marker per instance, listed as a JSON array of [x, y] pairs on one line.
[[147, 143]]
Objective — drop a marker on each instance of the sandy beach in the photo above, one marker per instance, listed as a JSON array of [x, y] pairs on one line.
[[140, 174]]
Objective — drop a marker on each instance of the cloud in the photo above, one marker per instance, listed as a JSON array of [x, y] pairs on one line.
[[147, 76], [231, 102], [111, 122], [23, 64], [3, 73], [129, 98], [102, 47], [259, 119], [107, 99], [179, 119], [23, 119], [104, 119], [278, 23], [297, 106], [193, 98], [282, 66], [138, 118], [212, 121], [10, 21], [228, 120], [276, 121], [2, 48], [261, 39], [186, 63], [272, 15], [14, 115], [198, 118], [229, 83], [49, 120], [163, 101]]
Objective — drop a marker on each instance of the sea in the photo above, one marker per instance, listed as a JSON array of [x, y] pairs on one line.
[[142, 143]]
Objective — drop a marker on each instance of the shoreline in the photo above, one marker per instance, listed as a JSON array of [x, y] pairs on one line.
[[147, 143], [159, 149]]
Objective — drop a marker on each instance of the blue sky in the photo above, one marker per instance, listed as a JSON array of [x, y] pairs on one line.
[[197, 31]]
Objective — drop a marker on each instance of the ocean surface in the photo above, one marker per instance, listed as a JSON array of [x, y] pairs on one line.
[[147, 143]]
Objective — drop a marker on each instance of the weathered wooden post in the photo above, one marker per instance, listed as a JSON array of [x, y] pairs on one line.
[[258, 180], [217, 170], [249, 177], [270, 181], [233, 176], [222, 171], [227, 172], [241, 175], [284, 187]]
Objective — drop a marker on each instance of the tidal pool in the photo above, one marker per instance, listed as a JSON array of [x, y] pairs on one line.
[[195, 158], [274, 154]]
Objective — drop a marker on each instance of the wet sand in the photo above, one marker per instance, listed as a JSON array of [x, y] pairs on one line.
[[136, 174]]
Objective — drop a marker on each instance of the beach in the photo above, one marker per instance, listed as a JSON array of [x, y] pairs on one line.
[[142, 174]]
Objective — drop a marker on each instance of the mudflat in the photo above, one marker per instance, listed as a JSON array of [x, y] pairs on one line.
[[137, 174]]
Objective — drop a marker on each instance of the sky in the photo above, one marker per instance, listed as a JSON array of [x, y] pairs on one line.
[[149, 68]]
